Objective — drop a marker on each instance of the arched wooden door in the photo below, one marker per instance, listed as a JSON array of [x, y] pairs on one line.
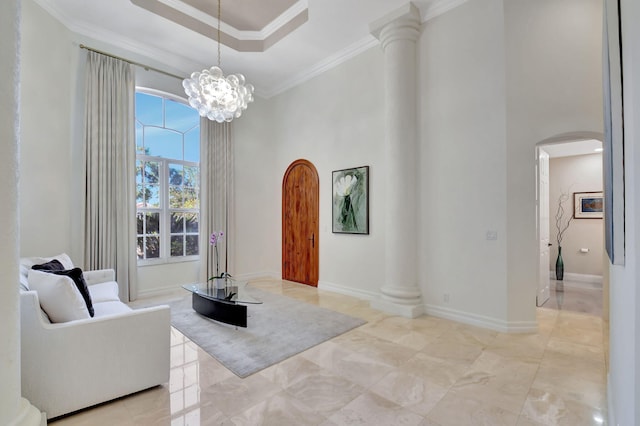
[[300, 223]]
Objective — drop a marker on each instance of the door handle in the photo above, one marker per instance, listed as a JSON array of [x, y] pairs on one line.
[[313, 240], [549, 244]]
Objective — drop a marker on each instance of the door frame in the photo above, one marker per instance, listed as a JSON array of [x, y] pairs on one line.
[[543, 291], [316, 252], [570, 137]]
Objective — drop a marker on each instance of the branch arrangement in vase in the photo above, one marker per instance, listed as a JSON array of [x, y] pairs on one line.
[[562, 226]]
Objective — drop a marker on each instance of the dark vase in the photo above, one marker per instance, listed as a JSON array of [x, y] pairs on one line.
[[559, 265]]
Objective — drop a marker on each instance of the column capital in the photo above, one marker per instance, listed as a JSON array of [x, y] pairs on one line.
[[403, 23]]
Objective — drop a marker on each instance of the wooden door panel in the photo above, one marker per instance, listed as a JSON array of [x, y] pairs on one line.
[[300, 210]]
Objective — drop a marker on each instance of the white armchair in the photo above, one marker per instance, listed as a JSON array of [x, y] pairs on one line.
[[73, 365]]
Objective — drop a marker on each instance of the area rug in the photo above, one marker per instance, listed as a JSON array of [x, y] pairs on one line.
[[277, 329]]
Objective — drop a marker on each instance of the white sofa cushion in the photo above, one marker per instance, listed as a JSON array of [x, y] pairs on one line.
[[104, 292], [59, 296], [110, 308]]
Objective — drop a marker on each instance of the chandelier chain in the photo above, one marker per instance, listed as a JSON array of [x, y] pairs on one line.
[[219, 9]]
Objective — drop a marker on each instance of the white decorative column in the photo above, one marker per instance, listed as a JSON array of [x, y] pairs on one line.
[[14, 410], [398, 34]]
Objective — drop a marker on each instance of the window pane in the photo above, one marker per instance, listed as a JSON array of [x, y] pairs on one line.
[[192, 245], [191, 200], [152, 247], [153, 223], [140, 223], [151, 172], [139, 138], [177, 245], [180, 116], [140, 195], [175, 174], [139, 171], [167, 133], [163, 143], [192, 145], [191, 176], [175, 197], [140, 248], [191, 220], [149, 109], [177, 223], [152, 196]]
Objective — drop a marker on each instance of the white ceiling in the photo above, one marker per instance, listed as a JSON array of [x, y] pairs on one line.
[[308, 37], [567, 149]]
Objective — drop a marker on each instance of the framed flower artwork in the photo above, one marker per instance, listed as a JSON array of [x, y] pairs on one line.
[[350, 196]]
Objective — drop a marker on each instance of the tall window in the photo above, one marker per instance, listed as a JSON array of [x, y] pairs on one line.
[[167, 179]]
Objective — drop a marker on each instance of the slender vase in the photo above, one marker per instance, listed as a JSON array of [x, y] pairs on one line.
[[559, 270]]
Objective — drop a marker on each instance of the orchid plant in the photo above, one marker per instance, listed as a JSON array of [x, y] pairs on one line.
[[214, 239]]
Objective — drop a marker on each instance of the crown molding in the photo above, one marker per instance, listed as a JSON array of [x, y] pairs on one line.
[[438, 8], [331, 62], [281, 21], [433, 10]]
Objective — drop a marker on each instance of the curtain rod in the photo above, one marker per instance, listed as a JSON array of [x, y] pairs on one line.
[[146, 67]]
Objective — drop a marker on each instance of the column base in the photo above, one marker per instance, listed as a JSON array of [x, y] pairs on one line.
[[400, 309], [29, 415]]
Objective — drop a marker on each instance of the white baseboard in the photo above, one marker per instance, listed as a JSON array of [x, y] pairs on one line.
[[255, 276], [481, 320], [159, 292], [348, 291], [441, 312]]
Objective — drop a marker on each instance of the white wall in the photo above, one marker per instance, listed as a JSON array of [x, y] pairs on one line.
[[463, 163], [9, 136], [554, 86], [580, 173], [46, 165]]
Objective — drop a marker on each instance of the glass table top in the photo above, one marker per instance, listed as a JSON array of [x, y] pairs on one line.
[[226, 289]]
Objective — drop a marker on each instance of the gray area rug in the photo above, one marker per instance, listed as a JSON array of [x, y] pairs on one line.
[[277, 329]]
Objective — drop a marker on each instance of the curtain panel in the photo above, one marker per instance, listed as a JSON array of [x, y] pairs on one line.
[[109, 208], [216, 196]]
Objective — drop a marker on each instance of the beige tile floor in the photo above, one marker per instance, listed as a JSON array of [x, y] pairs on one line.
[[576, 297], [391, 371]]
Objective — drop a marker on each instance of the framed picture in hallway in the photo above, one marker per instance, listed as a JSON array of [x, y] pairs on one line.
[[350, 196], [588, 205]]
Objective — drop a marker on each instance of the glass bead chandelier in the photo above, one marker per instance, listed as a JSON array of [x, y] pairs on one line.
[[215, 96]]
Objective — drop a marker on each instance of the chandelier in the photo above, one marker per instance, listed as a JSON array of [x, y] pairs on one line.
[[215, 96]]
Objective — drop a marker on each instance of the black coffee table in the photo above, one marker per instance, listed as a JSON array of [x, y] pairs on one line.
[[225, 300]]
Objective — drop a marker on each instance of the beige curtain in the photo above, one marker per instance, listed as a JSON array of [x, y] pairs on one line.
[[109, 210], [216, 195]]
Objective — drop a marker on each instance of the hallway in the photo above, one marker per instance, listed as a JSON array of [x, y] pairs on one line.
[[576, 297]]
